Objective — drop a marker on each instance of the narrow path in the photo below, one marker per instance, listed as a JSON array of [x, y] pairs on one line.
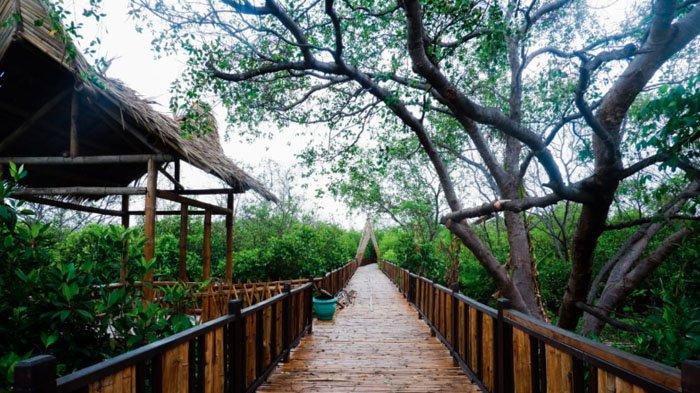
[[377, 344]]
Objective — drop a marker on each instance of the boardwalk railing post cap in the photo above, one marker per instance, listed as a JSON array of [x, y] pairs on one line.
[[235, 306], [37, 374], [504, 303]]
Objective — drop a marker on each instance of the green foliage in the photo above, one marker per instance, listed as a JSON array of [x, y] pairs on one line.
[[670, 121], [672, 330], [53, 297]]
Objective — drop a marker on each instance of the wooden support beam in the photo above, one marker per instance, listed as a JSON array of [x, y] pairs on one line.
[[172, 213], [118, 118], [206, 252], [88, 160], [68, 205], [210, 191], [229, 239], [177, 175], [172, 196], [92, 191], [149, 226], [124, 269], [182, 257], [24, 127], [172, 179], [74, 104]]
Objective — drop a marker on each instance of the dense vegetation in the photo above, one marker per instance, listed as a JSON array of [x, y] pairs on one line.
[[663, 314], [52, 294]]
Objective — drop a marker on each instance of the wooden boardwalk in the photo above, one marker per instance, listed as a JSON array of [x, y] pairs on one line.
[[377, 344]]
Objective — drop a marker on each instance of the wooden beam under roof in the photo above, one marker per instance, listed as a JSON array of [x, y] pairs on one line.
[[118, 118], [92, 191], [68, 205], [38, 114], [172, 196], [83, 160]]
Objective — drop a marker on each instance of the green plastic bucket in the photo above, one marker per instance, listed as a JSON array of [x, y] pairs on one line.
[[324, 308]]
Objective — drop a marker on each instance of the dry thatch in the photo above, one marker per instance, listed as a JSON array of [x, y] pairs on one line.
[[113, 119]]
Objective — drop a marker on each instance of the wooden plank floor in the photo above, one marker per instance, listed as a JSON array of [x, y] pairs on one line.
[[377, 344]]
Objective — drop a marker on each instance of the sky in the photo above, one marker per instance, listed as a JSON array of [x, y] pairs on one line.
[[135, 64]]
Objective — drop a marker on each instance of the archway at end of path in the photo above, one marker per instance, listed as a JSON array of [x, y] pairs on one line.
[[362, 255]]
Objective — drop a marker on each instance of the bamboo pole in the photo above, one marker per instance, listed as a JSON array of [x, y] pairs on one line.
[[191, 212], [124, 270], [87, 160], [177, 175], [206, 252], [93, 191], [73, 148], [68, 205], [229, 239], [149, 226], [172, 196], [182, 257]]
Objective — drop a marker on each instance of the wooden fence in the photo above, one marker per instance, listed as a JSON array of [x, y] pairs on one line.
[[504, 350], [233, 353]]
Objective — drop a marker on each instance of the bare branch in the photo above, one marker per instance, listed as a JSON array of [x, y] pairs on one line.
[[515, 205], [263, 70]]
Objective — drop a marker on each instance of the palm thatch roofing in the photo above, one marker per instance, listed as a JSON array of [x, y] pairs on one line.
[[40, 69]]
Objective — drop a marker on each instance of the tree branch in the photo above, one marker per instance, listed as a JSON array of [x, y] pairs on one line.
[[463, 106], [515, 205]]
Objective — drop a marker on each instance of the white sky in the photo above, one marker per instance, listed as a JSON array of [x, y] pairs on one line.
[[135, 64]]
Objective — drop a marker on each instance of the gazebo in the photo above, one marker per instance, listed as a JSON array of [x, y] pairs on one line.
[[83, 136]]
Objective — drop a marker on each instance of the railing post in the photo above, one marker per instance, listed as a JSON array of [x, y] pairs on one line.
[[36, 375], [504, 350], [432, 312], [690, 376], [309, 307], [238, 345], [286, 321], [455, 322]]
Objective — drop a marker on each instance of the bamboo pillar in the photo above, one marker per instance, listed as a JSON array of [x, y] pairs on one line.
[[73, 149], [206, 252], [182, 260], [177, 174], [149, 226], [229, 239], [123, 271]]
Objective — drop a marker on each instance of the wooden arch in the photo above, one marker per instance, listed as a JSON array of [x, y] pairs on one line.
[[367, 235]]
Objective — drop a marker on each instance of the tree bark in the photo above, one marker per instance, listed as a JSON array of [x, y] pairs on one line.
[[663, 41]]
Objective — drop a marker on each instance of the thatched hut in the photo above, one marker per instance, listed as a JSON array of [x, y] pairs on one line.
[[83, 136]]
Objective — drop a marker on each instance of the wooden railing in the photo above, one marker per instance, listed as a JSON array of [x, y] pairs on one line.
[[504, 350], [334, 281], [233, 353]]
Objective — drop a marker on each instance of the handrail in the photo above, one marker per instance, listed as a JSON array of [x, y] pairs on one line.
[[504, 350], [233, 353]]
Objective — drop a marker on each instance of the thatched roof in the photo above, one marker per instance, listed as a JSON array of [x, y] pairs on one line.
[[112, 118]]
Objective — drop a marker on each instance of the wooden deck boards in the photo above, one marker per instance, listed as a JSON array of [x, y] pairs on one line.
[[375, 345]]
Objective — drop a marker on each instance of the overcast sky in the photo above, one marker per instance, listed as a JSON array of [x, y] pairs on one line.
[[135, 64]]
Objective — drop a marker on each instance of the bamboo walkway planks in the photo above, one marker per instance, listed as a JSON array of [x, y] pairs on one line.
[[375, 345]]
